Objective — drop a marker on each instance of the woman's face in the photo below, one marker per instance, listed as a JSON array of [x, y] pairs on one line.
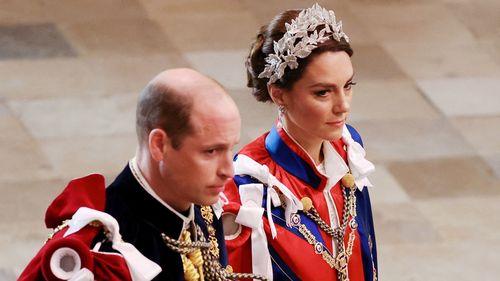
[[318, 103]]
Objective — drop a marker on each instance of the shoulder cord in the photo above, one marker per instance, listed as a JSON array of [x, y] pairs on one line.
[[200, 259]]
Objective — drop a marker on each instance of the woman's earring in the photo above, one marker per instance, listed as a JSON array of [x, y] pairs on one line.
[[281, 115]]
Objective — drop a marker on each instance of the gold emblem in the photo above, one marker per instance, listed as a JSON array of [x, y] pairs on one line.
[[348, 181], [207, 214]]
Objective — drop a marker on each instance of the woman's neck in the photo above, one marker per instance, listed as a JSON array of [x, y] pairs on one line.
[[311, 145], [316, 152]]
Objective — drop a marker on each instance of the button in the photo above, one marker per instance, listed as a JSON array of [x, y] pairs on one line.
[[348, 180], [306, 203]]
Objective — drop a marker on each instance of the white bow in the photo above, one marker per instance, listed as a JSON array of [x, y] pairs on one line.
[[250, 215], [218, 207], [359, 166], [140, 267], [245, 165]]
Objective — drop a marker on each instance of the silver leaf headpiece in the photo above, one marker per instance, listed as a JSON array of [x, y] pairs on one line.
[[286, 51]]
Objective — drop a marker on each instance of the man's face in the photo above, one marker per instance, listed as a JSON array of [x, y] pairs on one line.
[[197, 171]]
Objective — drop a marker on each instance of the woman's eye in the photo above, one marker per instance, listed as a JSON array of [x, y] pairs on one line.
[[321, 93]]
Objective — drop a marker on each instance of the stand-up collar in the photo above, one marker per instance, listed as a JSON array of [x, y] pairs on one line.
[[144, 184], [143, 206], [294, 159]]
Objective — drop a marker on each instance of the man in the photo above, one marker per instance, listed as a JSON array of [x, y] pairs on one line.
[[187, 126], [166, 202]]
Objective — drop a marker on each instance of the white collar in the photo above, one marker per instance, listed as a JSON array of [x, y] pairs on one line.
[[335, 166], [360, 167], [143, 182]]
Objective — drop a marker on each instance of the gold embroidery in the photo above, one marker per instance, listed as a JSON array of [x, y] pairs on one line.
[[208, 216]]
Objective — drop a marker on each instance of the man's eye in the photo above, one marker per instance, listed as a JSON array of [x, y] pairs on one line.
[[210, 151], [349, 85]]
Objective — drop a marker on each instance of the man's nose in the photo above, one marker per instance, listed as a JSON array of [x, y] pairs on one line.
[[226, 168]]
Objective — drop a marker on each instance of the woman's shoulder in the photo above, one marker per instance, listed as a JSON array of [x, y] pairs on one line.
[[354, 134], [256, 149]]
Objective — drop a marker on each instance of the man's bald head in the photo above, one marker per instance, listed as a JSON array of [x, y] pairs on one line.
[[168, 100]]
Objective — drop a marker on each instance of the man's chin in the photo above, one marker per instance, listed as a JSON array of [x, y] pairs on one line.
[[209, 200]]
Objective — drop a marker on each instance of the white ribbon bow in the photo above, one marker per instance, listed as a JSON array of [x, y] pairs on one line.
[[140, 267], [218, 207], [360, 167], [245, 165], [250, 215]]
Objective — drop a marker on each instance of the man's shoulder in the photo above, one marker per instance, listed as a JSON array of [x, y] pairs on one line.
[[123, 178], [120, 200], [115, 190], [123, 189]]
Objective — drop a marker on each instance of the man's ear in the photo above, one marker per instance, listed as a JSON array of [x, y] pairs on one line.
[[158, 143], [276, 94]]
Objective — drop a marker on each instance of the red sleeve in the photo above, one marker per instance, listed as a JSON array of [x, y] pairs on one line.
[[239, 248]]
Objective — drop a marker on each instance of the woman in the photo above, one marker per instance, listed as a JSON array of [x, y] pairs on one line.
[[299, 206]]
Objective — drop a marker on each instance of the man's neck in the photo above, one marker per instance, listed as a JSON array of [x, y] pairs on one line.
[[145, 175]]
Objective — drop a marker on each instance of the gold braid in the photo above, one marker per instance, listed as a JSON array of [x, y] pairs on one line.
[[213, 268], [200, 259], [193, 259]]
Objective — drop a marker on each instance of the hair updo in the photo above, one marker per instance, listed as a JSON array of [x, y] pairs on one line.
[[264, 45]]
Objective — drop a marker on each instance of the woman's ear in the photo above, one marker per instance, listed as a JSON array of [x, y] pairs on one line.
[[276, 94], [158, 144]]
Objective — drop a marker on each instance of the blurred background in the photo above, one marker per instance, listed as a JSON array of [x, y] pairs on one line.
[[427, 104]]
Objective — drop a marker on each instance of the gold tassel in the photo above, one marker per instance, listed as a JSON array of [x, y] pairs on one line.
[[193, 261], [190, 273], [197, 259]]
